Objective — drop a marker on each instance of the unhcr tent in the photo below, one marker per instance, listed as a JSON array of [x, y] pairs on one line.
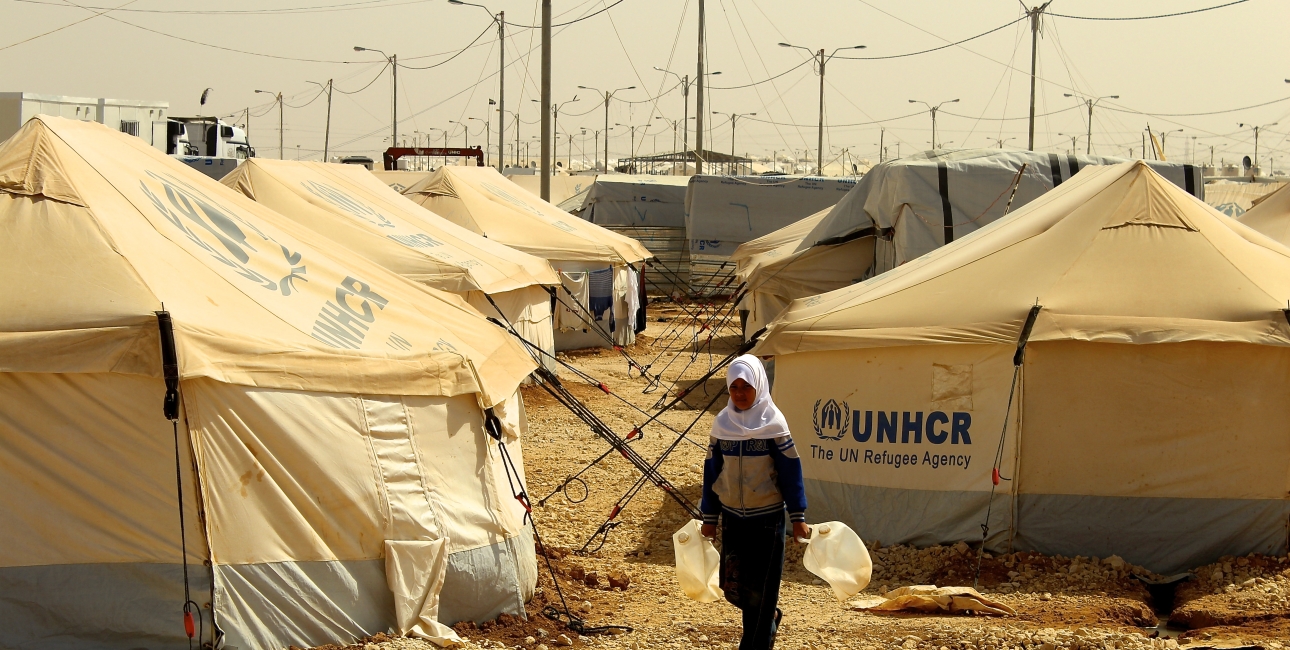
[[649, 209], [906, 208], [722, 212], [351, 207], [1141, 423], [327, 419], [563, 186], [481, 200], [1233, 198]]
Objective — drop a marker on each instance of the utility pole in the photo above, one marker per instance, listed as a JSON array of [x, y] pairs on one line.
[[546, 100], [1256, 135], [933, 109], [631, 128], [609, 94], [1088, 140], [500, 19], [820, 61], [327, 132], [882, 136], [698, 106], [733, 118], [1034, 14], [394, 105]]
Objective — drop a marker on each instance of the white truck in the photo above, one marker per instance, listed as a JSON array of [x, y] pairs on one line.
[[207, 144]]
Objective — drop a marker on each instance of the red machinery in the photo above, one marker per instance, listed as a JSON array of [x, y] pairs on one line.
[[394, 153]]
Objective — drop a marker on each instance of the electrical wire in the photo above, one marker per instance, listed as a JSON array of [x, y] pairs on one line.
[[575, 20], [1111, 107], [755, 83], [1180, 13], [315, 98], [379, 74], [970, 38], [349, 6], [459, 53], [72, 24]]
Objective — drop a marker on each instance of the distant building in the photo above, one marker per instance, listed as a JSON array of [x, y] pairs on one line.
[[144, 119]]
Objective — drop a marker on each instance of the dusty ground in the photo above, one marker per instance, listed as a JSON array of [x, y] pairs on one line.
[[1078, 603]]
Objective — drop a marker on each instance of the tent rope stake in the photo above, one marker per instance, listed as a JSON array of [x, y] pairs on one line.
[[515, 480], [170, 408], [1018, 358]]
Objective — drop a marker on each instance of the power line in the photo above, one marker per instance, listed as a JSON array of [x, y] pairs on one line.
[[970, 38], [1180, 13], [575, 20], [380, 73], [457, 54], [756, 83], [73, 24], [1111, 107], [349, 6]]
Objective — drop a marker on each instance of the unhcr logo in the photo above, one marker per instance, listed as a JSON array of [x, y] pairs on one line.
[[832, 420]]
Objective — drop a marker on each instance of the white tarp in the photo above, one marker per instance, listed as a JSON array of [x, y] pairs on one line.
[[734, 209], [641, 200]]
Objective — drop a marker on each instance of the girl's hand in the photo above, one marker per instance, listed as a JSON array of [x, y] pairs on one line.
[[801, 532], [709, 531]]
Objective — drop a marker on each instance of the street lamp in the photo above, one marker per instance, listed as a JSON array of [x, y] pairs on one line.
[[555, 124], [277, 97], [1073, 138], [1164, 135], [632, 128], [393, 60], [733, 118], [1256, 135], [685, 117], [500, 19], [999, 141], [609, 94], [933, 109], [1088, 141], [820, 61]]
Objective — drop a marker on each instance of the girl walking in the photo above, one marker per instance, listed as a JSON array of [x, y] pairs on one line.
[[751, 476]]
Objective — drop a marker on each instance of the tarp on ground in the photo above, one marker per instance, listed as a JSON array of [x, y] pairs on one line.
[[905, 208], [297, 360], [1233, 198], [1271, 215], [481, 200], [637, 200], [1159, 347]]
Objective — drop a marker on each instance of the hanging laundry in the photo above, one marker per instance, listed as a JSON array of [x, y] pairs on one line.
[[570, 313], [600, 291], [633, 299], [641, 317]]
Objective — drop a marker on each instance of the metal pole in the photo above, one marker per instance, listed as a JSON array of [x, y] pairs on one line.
[[685, 121], [280, 120], [546, 100], [488, 135], [819, 145], [517, 138], [394, 131], [934, 126], [1088, 139], [698, 106], [882, 135], [327, 133], [501, 88], [1034, 59], [607, 95]]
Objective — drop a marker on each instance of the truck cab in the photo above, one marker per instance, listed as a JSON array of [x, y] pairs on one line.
[[208, 137]]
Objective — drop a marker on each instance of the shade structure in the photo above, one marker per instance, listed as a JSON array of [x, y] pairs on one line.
[[481, 200], [1270, 215], [337, 479], [349, 205], [908, 207], [723, 212], [1159, 351]]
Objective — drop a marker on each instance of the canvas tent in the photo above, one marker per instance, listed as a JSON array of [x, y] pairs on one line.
[[350, 206], [722, 212], [1270, 215], [337, 480], [1159, 353], [563, 186], [399, 180], [481, 200], [649, 209], [905, 208], [1233, 198]]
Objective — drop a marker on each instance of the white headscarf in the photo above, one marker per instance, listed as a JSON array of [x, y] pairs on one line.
[[762, 419]]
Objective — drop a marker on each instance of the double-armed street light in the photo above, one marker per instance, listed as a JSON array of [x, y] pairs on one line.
[[820, 62], [934, 110], [609, 94]]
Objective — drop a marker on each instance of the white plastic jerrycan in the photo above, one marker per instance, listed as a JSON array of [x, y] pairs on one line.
[[835, 554], [697, 563]]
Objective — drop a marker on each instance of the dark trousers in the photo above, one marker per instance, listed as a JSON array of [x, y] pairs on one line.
[[752, 562]]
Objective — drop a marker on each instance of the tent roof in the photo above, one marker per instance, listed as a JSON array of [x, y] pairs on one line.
[[1271, 215], [1116, 254], [489, 204], [398, 180], [354, 208], [790, 234], [103, 230]]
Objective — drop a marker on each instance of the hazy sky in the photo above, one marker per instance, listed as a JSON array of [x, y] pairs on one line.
[[1229, 58]]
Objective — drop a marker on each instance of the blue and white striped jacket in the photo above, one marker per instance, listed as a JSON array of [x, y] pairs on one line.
[[752, 477]]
